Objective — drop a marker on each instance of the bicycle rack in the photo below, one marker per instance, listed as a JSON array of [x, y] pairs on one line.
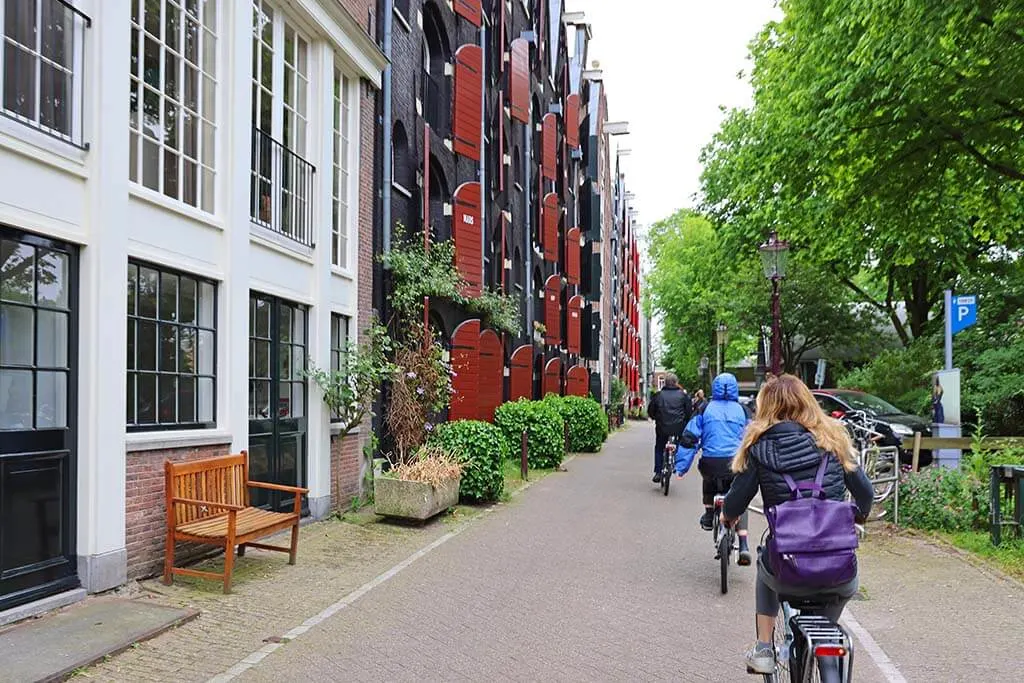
[[815, 630]]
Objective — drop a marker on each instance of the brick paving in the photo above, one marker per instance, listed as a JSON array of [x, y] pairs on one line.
[[591, 574]]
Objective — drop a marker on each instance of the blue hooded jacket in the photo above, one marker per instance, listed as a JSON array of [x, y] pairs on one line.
[[718, 430]]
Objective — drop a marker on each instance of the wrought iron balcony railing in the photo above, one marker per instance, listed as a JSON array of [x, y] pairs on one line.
[[281, 189]]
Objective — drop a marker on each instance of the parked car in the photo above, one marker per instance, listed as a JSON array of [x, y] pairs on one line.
[[903, 426]]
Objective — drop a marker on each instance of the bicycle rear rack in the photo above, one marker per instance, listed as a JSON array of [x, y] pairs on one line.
[[813, 631]]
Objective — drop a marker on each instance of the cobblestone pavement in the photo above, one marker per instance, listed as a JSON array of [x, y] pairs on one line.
[[591, 574]]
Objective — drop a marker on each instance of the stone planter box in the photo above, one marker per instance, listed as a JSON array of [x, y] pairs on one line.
[[413, 499]]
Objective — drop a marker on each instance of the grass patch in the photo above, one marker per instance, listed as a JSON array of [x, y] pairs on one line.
[[1008, 556], [514, 480]]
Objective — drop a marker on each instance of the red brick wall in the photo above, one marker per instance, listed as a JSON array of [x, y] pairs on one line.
[[346, 454], [145, 519]]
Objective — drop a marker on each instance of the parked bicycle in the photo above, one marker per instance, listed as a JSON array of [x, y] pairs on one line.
[[879, 462], [725, 542]]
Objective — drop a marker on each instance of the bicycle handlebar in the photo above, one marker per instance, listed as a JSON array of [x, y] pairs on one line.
[[859, 527]]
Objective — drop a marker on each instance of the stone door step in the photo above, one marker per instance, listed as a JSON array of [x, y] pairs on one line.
[[54, 646]]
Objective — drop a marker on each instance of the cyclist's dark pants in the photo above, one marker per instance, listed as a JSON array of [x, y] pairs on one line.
[[659, 450], [717, 477], [768, 590]]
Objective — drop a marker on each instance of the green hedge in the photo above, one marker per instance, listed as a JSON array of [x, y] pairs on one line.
[[942, 499], [588, 424], [481, 448], [543, 425]]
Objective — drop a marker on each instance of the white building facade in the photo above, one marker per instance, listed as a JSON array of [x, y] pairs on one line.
[[183, 193]]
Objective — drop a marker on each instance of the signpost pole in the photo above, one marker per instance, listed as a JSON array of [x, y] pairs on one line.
[[949, 329]]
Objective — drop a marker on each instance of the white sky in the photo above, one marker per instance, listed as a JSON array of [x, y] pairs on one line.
[[668, 66]]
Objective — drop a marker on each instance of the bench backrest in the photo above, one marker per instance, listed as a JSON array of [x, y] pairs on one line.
[[215, 480]]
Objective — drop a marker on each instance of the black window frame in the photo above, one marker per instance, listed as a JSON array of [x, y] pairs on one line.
[[133, 369], [339, 346]]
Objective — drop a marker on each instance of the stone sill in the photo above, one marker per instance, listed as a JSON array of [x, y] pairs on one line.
[[158, 441]]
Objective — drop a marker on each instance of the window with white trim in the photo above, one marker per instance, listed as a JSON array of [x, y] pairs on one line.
[[341, 183], [173, 93], [340, 330]]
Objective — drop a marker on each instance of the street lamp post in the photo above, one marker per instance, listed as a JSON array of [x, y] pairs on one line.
[[704, 371], [774, 255], [723, 336]]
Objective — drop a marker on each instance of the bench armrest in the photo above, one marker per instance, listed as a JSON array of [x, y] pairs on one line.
[[276, 487], [209, 504]]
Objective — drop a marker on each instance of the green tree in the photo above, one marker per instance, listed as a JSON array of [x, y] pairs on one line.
[[885, 138]]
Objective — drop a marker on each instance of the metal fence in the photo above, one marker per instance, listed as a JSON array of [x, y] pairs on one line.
[[281, 189]]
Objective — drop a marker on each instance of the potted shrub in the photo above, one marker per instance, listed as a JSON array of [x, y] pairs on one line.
[[425, 486]]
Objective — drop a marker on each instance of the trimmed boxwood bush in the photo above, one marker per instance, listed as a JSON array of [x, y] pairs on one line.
[[544, 429], [588, 424], [481, 448]]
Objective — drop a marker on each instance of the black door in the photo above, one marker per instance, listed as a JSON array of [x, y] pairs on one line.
[[277, 397], [38, 331]]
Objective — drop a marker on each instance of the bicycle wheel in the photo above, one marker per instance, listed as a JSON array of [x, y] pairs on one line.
[[782, 647], [724, 550], [666, 479]]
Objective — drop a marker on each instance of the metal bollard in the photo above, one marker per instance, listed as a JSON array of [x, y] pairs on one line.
[[524, 469]]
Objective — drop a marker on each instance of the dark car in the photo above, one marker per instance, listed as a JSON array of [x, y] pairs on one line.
[[902, 426]]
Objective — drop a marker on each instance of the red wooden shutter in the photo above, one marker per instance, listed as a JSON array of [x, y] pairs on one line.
[[577, 381], [553, 310], [466, 366], [572, 120], [572, 342], [520, 91], [553, 377], [492, 375], [501, 145], [467, 124], [470, 10], [521, 384], [572, 256], [469, 252], [549, 236], [549, 145]]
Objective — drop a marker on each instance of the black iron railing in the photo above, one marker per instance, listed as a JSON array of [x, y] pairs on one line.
[[281, 189], [436, 107], [43, 67]]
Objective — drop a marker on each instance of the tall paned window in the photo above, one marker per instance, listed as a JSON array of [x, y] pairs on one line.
[[282, 179], [173, 91], [342, 163], [171, 349], [340, 328], [42, 56]]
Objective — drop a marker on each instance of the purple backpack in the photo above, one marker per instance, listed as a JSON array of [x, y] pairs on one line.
[[813, 539]]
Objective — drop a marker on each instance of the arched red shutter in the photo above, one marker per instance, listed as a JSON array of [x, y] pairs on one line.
[[521, 384], [549, 236], [469, 251], [470, 10], [520, 91], [553, 377], [572, 256], [492, 374], [572, 343], [549, 145], [553, 310], [577, 381], [466, 366], [572, 120], [467, 124]]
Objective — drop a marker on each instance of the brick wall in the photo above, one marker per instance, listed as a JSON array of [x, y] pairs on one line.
[[345, 469], [145, 518]]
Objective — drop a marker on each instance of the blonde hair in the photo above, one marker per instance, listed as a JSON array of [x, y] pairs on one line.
[[786, 399]]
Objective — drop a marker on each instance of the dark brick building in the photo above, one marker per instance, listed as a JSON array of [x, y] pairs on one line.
[[496, 139]]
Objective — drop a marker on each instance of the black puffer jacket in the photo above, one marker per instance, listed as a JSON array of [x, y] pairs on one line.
[[670, 408], [789, 448]]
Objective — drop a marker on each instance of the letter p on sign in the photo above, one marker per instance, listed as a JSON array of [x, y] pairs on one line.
[[965, 312]]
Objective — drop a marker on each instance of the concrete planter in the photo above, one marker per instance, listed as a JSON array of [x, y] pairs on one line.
[[413, 499]]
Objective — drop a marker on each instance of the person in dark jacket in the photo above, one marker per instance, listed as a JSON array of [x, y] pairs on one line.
[[717, 432], [670, 409], [699, 402], [788, 436]]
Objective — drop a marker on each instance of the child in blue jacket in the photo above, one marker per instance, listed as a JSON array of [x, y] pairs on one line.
[[717, 432]]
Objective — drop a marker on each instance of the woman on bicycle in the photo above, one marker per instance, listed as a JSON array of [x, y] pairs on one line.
[[789, 435]]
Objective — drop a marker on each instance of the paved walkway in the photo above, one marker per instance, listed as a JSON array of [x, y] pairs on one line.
[[591, 574]]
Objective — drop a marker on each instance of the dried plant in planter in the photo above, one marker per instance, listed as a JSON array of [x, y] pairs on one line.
[[433, 465], [421, 387]]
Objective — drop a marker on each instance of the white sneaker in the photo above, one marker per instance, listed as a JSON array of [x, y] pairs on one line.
[[760, 660]]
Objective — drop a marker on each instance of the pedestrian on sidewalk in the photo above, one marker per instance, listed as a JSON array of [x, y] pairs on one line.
[[789, 443], [699, 402], [717, 433], [670, 409]]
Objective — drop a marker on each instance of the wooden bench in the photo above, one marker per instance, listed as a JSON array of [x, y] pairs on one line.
[[208, 502]]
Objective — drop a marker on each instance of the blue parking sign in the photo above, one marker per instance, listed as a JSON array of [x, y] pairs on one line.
[[964, 313]]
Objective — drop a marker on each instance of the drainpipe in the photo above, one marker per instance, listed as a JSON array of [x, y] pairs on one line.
[[385, 212], [527, 186], [484, 194]]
